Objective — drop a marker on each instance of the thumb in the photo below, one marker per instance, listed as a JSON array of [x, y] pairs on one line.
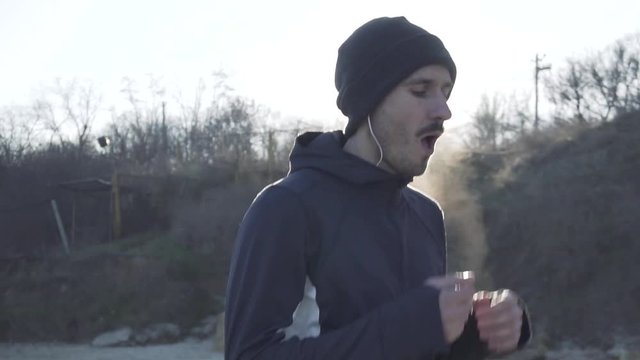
[[459, 279]]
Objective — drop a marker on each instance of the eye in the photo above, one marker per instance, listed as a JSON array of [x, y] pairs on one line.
[[419, 92]]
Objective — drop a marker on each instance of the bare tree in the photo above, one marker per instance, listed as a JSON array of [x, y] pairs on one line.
[[234, 129], [601, 86], [140, 129], [67, 112], [80, 104], [488, 126], [615, 75], [568, 89], [18, 129], [191, 124], [519, 113], [46, 114]]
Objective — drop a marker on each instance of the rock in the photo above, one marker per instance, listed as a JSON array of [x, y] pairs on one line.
[[113, 338], [162, 333], [205, 328], [141, 338], [192, 339], [218, 337]]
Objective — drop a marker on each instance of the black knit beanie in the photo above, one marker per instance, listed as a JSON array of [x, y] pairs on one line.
[[376, 58]]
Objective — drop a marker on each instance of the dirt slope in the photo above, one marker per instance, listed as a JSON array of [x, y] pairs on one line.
[[563, 228]]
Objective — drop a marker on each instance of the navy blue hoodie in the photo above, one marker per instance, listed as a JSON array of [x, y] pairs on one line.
[[346, 247]]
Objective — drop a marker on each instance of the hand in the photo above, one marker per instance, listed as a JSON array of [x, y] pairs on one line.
[[456, 301], [499, 318]]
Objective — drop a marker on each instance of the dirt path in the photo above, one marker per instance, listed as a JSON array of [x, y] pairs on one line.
[[57, 351]]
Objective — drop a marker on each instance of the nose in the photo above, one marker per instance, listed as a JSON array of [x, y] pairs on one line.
[[440, 109]]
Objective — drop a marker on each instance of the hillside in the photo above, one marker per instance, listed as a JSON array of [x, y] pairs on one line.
[[562, 219], [132, 282]]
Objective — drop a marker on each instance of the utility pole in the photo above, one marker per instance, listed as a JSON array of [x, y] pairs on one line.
[[539, 68]]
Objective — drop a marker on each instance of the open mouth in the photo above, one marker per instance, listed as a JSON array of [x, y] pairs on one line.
[[429, 142]]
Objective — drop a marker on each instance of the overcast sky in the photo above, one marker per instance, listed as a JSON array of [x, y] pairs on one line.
[[282, 53]]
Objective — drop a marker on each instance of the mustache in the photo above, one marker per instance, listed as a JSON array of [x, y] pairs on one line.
[[435, 127]]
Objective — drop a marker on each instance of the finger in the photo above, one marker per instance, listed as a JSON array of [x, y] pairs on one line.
[[441, 282], [454, 307], [469, 283], [501, 305], [463, 279], [484, 335], [450, 279], [465, 289], [503, 295], [498, 318], [507, 296], [466, 279], [459, 297], [501, 332], [465, 275], [480, 305], [482, 295], [503, 312], [504, 321]]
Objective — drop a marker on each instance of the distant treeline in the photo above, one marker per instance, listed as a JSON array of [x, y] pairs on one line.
[[214, 127], [584, 91], [168, 164]]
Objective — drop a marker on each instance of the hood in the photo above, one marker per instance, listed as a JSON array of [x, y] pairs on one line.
[[323, 152]]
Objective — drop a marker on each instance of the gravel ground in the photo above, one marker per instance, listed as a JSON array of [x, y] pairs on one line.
[[59, 351]]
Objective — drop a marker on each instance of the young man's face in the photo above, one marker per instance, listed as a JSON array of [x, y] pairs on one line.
[[409, 120]]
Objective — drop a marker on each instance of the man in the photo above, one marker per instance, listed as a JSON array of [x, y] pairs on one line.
[[341, 259]]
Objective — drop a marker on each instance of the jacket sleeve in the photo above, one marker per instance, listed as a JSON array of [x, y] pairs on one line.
[[266, 283]]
